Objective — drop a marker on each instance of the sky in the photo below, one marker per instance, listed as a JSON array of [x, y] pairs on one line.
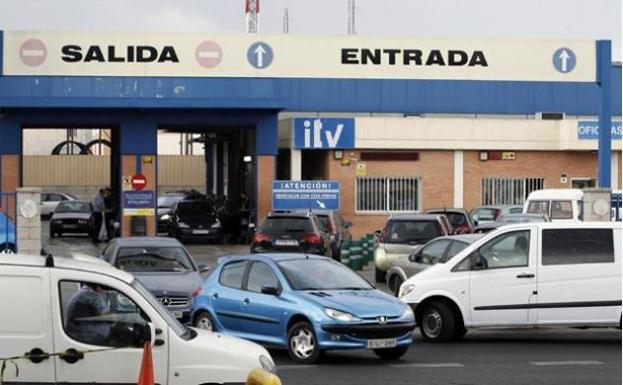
[[577, 19]]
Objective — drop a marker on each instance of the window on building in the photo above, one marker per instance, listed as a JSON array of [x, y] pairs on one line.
[[387, 194], [583, 182], [508, 191], [577, 246]]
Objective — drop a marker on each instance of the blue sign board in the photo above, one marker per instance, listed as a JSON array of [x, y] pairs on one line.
[[141, 203], [260, 55], [306, 194], [589, 129], [324, 133], [564, 60]]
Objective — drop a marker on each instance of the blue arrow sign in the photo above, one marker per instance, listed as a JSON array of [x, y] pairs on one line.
[[260, 55], [564, 60], [306, 194]]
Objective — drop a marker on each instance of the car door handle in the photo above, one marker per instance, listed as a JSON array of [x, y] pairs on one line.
[[71, 356], [215, 295], [246, 301], [526, 275], [36, 355]]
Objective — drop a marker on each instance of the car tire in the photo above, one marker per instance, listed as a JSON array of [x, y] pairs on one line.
[[459, 332], [393, 353], [8, 248], [395, 283], [438, 323], [303, 345], [379, 275], [205, 321]]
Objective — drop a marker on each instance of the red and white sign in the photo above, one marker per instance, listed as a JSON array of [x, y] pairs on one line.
[[209, 54], [139, 182], [33, 52]]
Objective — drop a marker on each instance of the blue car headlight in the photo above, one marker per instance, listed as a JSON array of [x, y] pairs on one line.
[[340, 315]]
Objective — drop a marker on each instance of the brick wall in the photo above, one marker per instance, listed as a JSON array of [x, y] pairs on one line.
[[266, 173], [544, 164], [435, 168]]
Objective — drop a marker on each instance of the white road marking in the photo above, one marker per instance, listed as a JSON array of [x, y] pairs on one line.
[[431, 365], [296, 367], [554, 363]]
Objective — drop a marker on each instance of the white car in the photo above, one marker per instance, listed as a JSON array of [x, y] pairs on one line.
[[49, 201], [73, 306], [528, 274]]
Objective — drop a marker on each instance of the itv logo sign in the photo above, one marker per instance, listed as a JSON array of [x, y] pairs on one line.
[[324, 133]]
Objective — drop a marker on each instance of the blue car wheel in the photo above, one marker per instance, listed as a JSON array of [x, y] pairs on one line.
[[303, 345], [204, 321]]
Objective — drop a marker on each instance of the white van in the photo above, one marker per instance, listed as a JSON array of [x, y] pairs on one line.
[[529, 274], [560, 205], [71, 306]]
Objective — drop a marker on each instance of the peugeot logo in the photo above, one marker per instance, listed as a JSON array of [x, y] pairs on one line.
[[382, 320], [166, 301]]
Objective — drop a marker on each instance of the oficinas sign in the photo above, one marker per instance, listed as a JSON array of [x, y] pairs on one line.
[[112, 54]]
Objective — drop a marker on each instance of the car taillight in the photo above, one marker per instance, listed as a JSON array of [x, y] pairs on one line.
[[311, 238], [383, 236], [261, 237], [196, 292]]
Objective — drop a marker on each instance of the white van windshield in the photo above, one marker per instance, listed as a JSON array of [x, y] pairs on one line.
[[538, 207], [175, 325]]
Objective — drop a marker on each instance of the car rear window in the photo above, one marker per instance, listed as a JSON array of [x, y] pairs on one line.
[[485, 214], [412, 232], [288, 224]]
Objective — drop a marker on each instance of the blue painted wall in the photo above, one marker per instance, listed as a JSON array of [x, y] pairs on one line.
[[340, 95]]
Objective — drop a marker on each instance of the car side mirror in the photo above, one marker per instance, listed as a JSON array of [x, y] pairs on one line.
[[270, 290], [475, 223], [124, 335], [203, 268], [416, 258]]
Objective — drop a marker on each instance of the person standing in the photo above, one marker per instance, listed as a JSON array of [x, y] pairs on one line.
[[98, 207], [110, 214]]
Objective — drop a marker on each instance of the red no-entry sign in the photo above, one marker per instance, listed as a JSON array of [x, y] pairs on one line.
[[138, 182]]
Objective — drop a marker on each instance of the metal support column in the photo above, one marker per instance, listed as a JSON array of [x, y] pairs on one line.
[[604, 64]]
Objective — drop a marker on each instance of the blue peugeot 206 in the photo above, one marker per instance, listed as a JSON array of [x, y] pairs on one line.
[[306, 304]]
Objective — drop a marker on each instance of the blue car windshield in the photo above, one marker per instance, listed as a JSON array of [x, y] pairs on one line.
[[321, 274]]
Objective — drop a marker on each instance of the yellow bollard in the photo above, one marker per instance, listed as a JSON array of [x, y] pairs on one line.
[[262, 377]]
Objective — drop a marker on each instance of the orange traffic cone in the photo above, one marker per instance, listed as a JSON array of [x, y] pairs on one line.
[[146, 375]]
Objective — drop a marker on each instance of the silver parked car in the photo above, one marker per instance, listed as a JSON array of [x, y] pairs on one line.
[[49, 201], [438, 250], [163, 266], [492, 213]]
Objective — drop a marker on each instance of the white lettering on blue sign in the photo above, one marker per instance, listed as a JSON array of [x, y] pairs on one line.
[[589, 129], [324, 133], [293, 195]]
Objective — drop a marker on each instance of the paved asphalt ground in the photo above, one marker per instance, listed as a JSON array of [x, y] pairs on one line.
[[526, 356]]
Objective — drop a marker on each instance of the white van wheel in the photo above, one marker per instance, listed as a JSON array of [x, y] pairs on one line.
[[438, 323]]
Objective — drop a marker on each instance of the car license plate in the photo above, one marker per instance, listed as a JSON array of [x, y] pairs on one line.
[[201, 232], [286, 242], [70, 226], [178, 314], [382, 344]]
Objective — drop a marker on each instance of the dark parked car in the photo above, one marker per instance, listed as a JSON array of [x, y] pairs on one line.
[[439, 250], [337, 228], [72, 217], [402, 235], [461, 220], [508, 219], [291, 232], [195, 219], [166, 203], [163, 266]]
